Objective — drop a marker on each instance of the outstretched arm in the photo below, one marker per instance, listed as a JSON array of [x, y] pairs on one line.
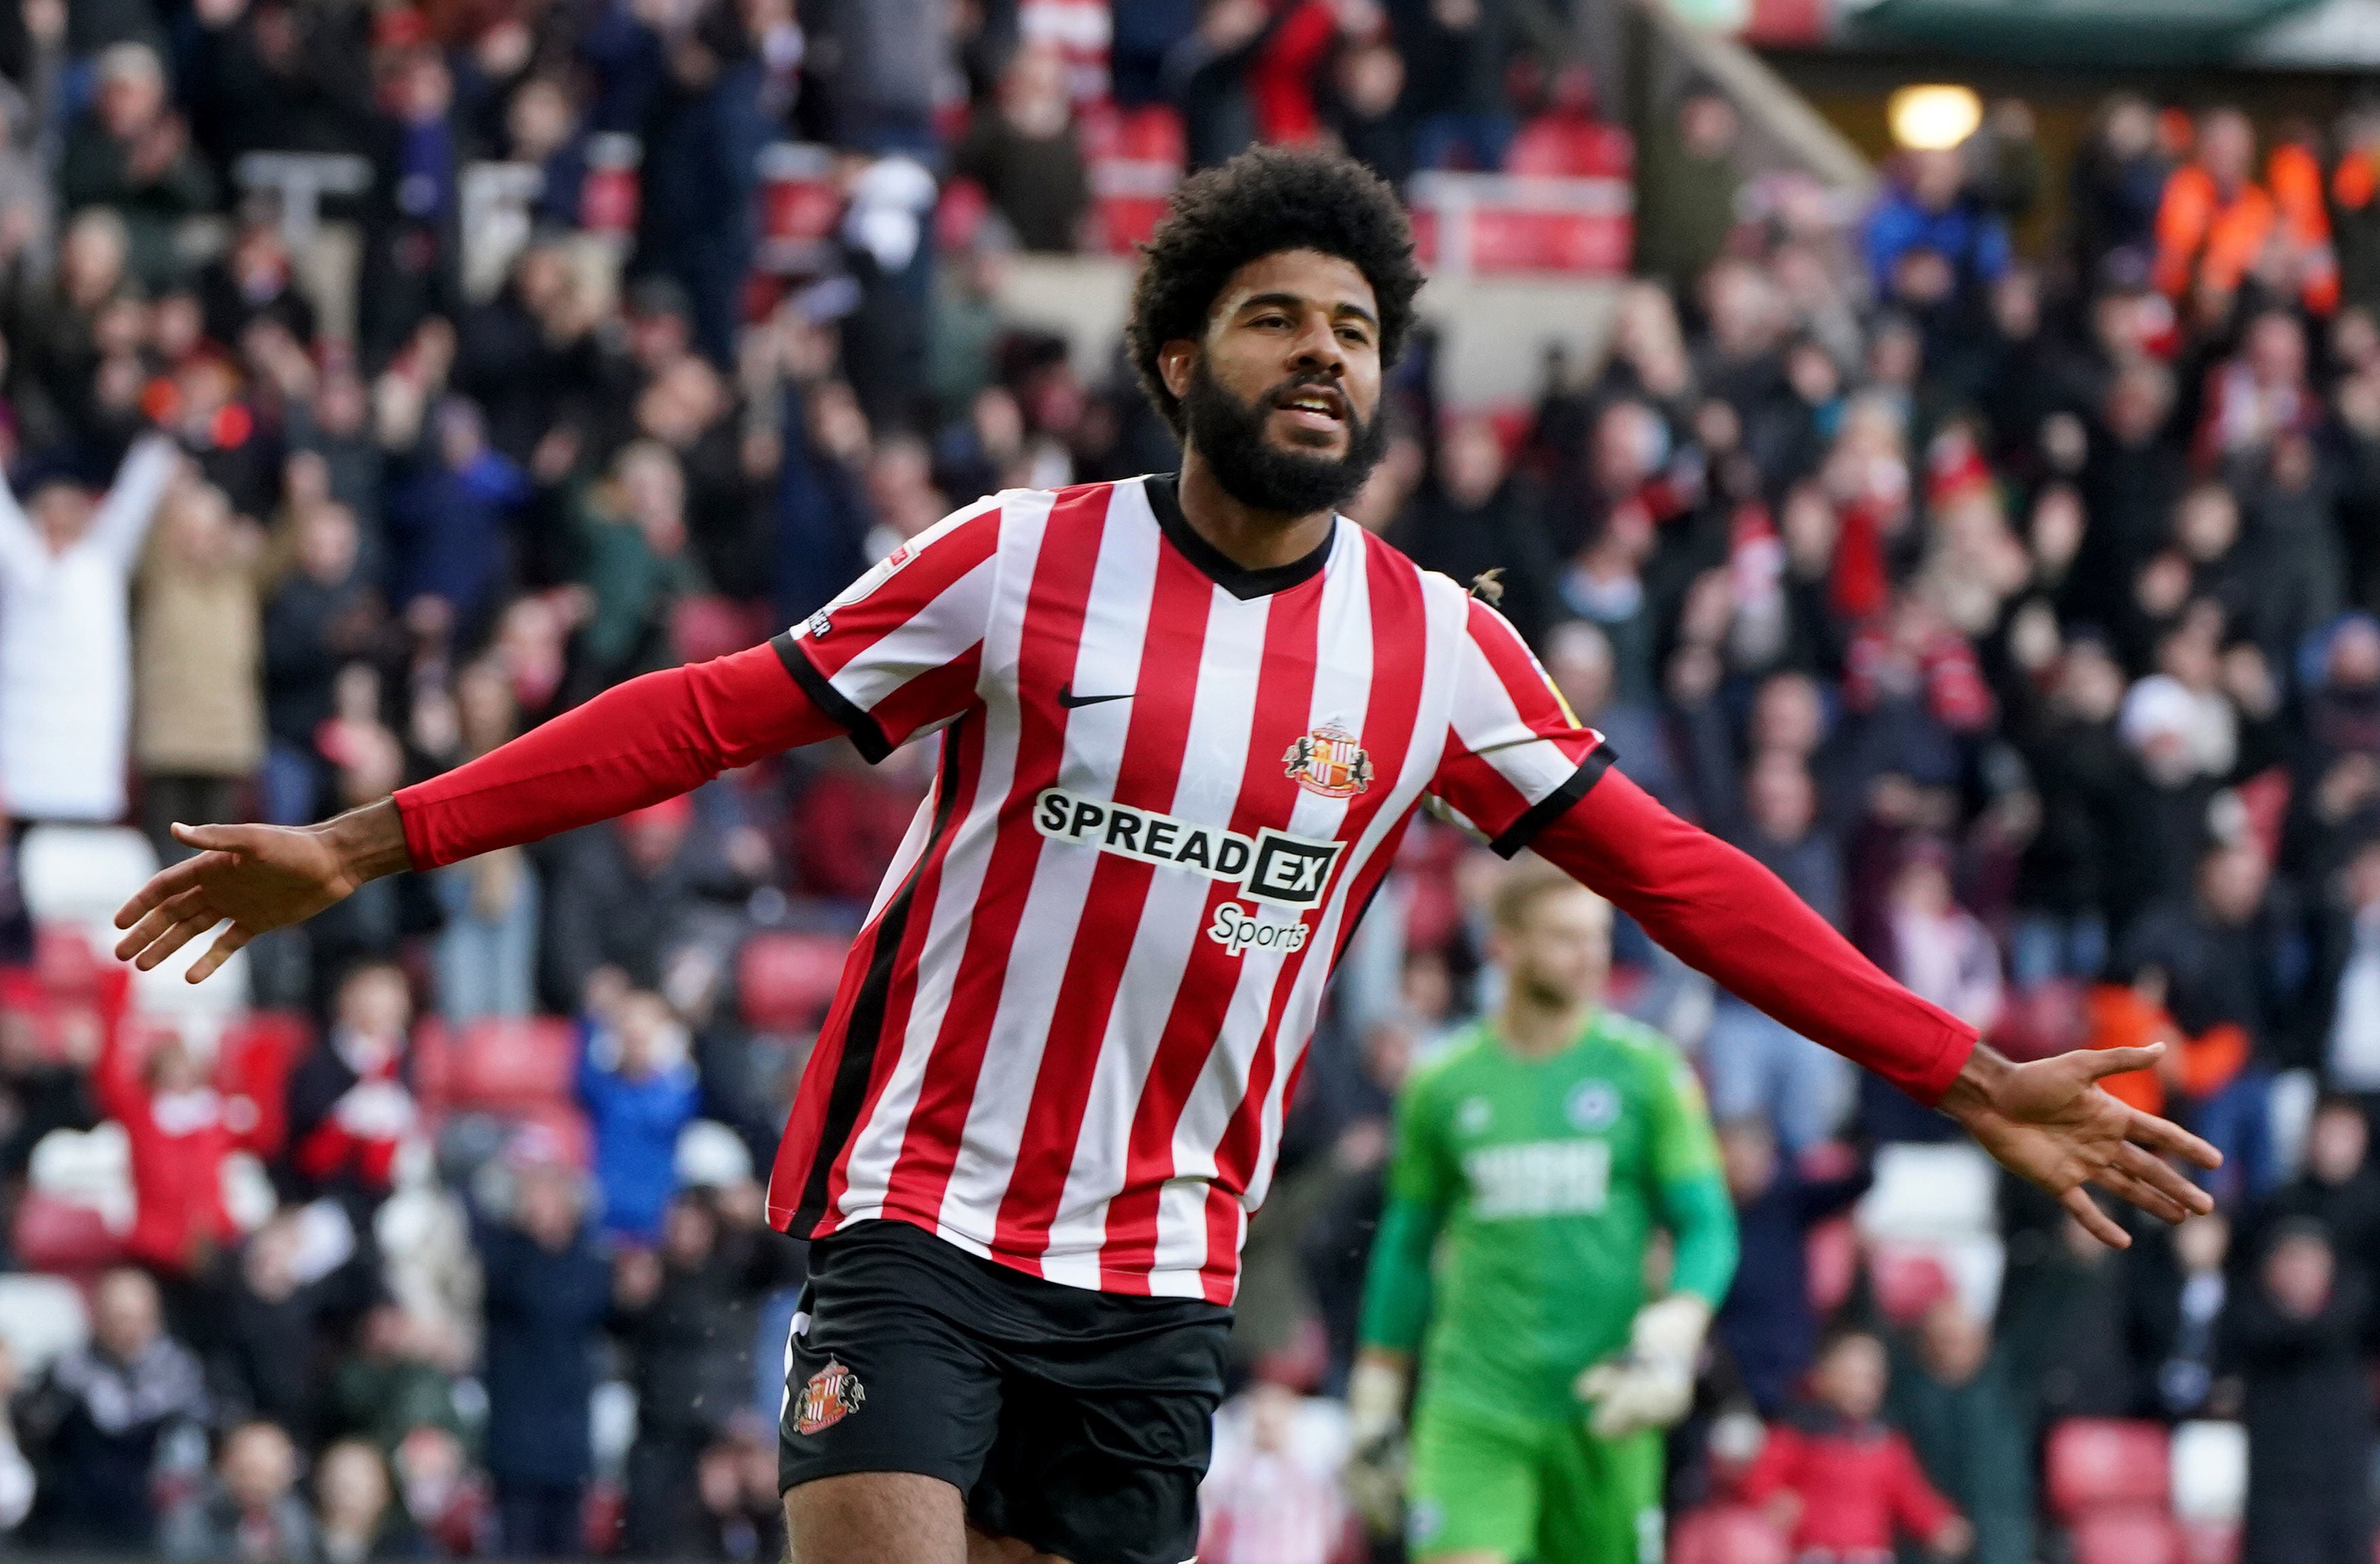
[[1726, 915], [651, 738], [121, 523]]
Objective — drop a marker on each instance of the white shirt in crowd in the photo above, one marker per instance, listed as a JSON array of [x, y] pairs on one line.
[[65, 647]]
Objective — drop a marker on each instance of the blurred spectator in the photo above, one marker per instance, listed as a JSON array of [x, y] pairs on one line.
[[1767, 1324], [1959, 1398], [703, 133], [1688, 183], [2119, 180], [2295, 1334], [1473, 517], [1022, 151], [351, 1494], [1842, 1483], [2221, 974], [487, 952], [633, 539], [65, 643], [2180, 1289], [2337, 1189], [1456, 53], [685, 1312], [639, 1088], [1267, 1498], [350, 1109], [390, 1385], [2216, 225], [448, 520], [131, 152], [94, 1423], [199, 734], [179, 1136], [325, 613], [251, 1510], [1938, 949], [1932, 240], [548, 1291]]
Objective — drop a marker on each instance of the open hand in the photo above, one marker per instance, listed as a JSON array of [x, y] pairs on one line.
[[2049, 1123], [261, 878]]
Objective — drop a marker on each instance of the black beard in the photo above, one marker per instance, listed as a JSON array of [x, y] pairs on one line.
[[1229, 434]]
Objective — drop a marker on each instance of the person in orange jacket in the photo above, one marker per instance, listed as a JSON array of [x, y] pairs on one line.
[[2217, 226]]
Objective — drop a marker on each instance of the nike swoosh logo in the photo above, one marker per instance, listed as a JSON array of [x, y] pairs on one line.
[[1070, 700]]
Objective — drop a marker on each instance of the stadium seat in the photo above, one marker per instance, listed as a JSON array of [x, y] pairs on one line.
[[2210, 1542], [1726, 1534], [1907, 1282], [212, 1005], [81, 874], [2210, 1473], [65, 1237], [90, 1168], [2103, 1463], [1925, 1194], [41, 1316], [2127, 1534], [500, 1065], [708, 626], [786, 980]]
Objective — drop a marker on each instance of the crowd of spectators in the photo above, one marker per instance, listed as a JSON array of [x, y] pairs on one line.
[[2016, 608]]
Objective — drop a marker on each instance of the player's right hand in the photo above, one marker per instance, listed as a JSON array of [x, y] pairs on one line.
[[261, 878]]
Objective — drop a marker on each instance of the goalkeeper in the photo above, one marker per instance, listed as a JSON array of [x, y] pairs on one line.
[[1532, 1164]]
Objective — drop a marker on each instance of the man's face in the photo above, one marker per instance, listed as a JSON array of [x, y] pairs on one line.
[[1281, 395], [125, 1316], [1561, 951]]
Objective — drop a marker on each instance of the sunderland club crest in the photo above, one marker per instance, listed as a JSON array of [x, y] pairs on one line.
[[832, 1394], [1327, 760]]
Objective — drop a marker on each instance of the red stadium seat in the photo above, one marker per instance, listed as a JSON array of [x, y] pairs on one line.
[[1907, 1282], [1726, 1534], [63, 1237], [499, 1065], [2210, 1542], [2127, 1534], [705, 627], [2108, 1463], [787, 981]]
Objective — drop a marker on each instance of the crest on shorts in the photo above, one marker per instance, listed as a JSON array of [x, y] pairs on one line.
[[832, 1394], [1327, 760]]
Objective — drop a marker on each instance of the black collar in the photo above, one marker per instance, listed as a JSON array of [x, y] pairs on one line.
[[1165, 499]]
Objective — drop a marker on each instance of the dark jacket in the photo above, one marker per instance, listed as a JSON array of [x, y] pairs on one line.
[[1767, 1322], [2309, 1405], [543, 1310]]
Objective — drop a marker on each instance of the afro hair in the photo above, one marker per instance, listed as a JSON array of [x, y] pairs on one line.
[[1263, 201]]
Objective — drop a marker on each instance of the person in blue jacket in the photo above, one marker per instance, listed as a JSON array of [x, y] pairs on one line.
[[639, 1088]]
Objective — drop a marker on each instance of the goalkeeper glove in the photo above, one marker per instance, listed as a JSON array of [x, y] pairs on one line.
[[1651, 1384], [1376, 1435]]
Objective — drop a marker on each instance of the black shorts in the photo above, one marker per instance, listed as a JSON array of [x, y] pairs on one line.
[[1077, 1422]]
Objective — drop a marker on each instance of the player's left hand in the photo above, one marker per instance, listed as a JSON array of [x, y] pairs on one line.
[[1651, 1384], [2049, 1123]]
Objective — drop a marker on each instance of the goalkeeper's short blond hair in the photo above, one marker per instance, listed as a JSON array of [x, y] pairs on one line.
[[1528, 880]]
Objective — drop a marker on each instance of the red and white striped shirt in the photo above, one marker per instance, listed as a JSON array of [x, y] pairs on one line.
[[1168, 785], [1069, 1030]]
